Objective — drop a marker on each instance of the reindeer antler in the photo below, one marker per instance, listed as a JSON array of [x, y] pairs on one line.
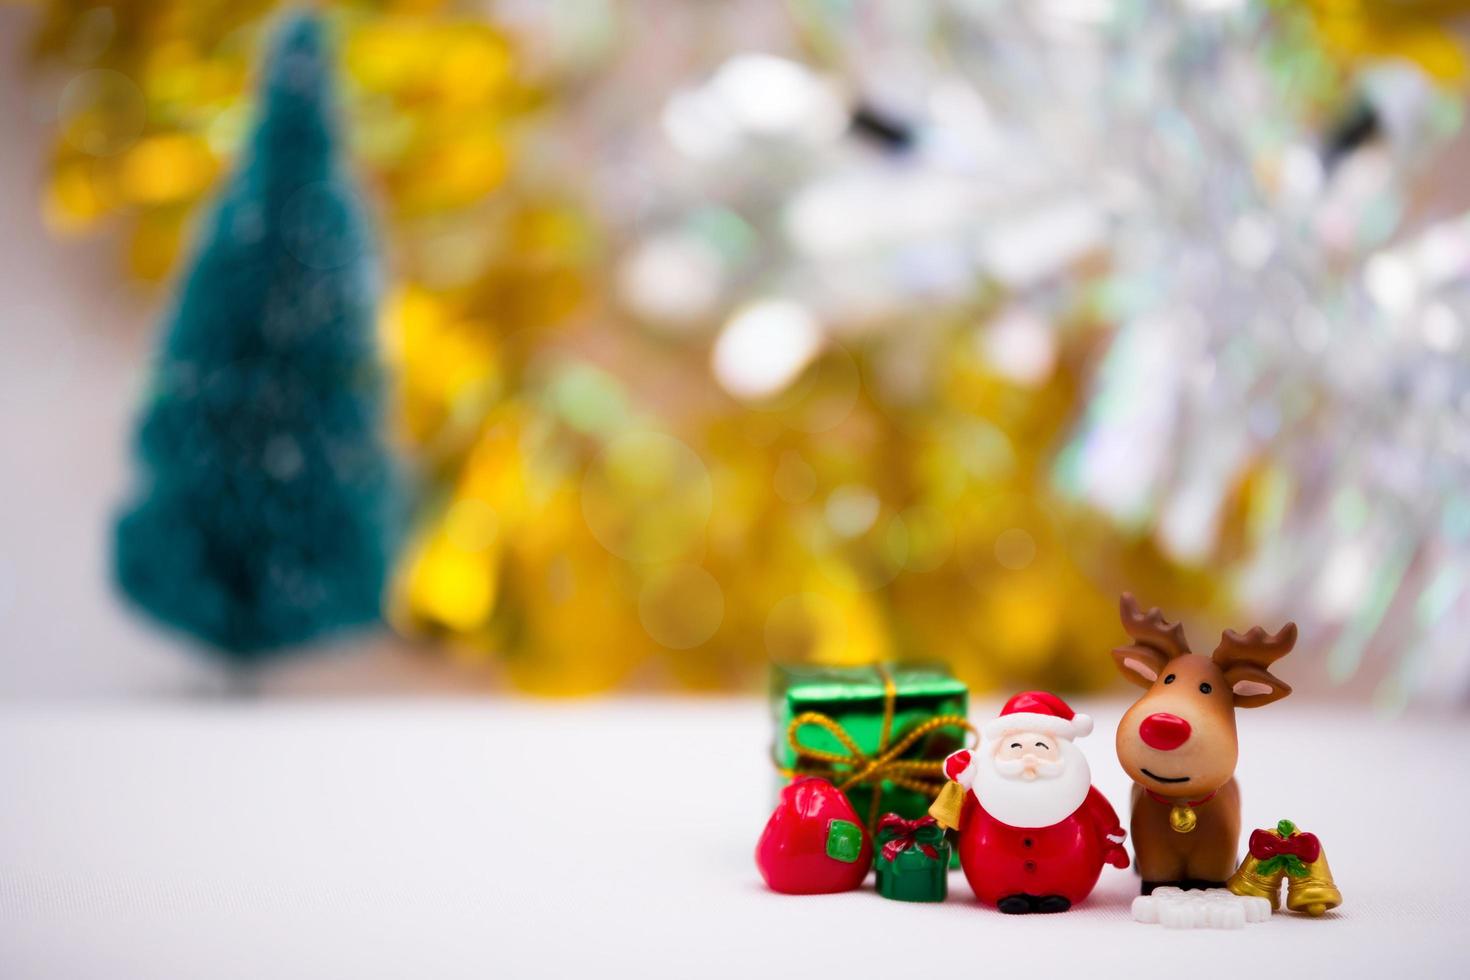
[[1152, 630], [1256, 647]]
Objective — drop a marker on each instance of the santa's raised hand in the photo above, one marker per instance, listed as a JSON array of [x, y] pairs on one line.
[[959, 767]]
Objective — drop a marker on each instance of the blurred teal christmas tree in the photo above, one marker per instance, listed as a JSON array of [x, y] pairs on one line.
[[261, 516]]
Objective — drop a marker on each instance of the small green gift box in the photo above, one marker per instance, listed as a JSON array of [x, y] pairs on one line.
[[913, 859], [881, 732]]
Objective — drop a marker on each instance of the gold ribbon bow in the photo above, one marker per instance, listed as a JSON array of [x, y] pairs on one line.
[[920, 775]]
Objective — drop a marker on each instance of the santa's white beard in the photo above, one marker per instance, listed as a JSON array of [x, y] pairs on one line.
[[1039, 802]]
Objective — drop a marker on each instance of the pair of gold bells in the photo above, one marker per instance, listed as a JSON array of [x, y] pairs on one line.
[[1287, 854]]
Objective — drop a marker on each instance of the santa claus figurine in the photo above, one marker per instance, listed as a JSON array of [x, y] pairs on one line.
[[1033, 832]]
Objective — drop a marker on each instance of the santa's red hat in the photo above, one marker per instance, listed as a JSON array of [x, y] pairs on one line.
[[1038, 711]]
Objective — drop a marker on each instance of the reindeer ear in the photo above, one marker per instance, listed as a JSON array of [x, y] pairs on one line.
[[1140, 664], [1254, 686]]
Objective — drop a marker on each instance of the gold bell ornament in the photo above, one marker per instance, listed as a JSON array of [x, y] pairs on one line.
[[1289, 854], [1182, 818], [1315, 892], [1250, 882], [949, 804]]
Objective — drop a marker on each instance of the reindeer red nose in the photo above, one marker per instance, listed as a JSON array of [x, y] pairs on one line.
[[1164, 731]]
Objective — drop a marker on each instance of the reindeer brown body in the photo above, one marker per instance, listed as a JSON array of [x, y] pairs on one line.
[[1178, 743], [1204, 855]]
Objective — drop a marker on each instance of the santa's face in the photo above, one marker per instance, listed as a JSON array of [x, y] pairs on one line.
[[1028, 755], [1031, 779]]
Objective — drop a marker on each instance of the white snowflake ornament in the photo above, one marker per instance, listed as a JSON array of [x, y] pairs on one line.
[[1212, 908]]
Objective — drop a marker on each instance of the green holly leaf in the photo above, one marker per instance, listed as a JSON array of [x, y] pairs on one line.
[[844, 841], [1289, 863]]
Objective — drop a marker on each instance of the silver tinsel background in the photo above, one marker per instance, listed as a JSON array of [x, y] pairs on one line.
[[930, 303], [1288, 285]]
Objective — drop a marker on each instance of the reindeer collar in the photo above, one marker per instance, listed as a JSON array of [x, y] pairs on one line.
[[1182, 818]]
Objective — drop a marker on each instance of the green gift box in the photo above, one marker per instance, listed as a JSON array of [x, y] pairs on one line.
[[912, 860], [855, 703]]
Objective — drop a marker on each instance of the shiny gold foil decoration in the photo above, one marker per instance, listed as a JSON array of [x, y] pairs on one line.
[[154, 99], [1420, 31], [596, 511]]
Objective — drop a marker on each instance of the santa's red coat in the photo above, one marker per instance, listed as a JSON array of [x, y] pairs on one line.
[[1064, 859]]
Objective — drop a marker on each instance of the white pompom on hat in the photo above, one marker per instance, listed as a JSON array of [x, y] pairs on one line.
[[1038, 711]]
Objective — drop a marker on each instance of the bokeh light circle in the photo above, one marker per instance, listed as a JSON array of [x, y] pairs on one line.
[[823, 396], [647, 497], [472, 525], [1010, 535], [1015, 548], [851, 510], [322, 225], [794, 479], [103, 112], [874, 559], [764, 347], [681, 606], [795, 626], [930, 538]]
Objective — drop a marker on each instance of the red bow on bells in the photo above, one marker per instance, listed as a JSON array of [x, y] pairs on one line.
[[1291, 852], [909, 833], [1265, 844]]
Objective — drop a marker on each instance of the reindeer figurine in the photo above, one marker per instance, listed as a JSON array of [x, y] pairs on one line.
[[1178, 743]]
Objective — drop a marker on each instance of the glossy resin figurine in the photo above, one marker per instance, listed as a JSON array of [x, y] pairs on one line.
[[1178, 743], [1033, 832], [1284, 852], [913, 859], [814, 843]]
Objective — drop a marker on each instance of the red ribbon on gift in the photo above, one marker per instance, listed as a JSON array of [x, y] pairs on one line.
[[907, 832], [1266, 845]]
